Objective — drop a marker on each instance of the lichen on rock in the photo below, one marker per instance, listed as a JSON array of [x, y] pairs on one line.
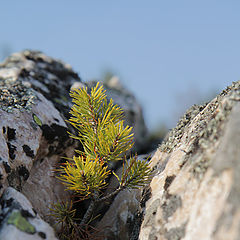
[[21, 223], [15, 94], [197, 175], [18, 219], [174, 136]]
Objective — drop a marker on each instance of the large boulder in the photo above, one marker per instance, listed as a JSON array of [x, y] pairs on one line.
[[34, 134], [195, 192]]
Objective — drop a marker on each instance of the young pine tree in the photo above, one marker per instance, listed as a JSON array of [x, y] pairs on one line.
[[105, 139]]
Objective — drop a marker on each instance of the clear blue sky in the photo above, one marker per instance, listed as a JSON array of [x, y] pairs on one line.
[[170, 54]]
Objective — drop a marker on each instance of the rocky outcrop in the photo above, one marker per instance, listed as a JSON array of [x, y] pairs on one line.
[[34, 104], [195, 192], [34, 134]]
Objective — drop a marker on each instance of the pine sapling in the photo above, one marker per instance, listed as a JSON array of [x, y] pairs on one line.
[[105, 138]]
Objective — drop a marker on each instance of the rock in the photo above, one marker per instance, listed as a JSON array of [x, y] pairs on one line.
[[34, 134], [19, 220], [34, 70], [118, 222], [195, 192]]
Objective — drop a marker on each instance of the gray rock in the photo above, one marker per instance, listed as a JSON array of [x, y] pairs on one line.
[[34, 104], [19, 221], [34, 70], [195, 192]]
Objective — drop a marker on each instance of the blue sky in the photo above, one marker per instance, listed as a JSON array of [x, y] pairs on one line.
[[170, 54]]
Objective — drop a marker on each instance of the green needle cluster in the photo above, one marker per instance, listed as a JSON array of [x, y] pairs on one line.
[[105, 138]]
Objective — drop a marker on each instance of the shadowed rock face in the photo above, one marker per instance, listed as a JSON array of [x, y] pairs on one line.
[[195, 192]]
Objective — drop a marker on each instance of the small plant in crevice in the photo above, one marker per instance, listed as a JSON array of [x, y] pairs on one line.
[[105, 139]]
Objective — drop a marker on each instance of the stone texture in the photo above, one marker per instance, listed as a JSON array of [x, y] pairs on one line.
[[34, 70], [33, 130], [19, 221], [195, 192], [117, 223]]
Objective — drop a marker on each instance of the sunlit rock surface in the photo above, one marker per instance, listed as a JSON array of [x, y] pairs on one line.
[[195, 193]]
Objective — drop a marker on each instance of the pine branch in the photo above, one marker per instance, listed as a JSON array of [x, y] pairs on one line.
[[101, 131], [109, 196], [89, 212]]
